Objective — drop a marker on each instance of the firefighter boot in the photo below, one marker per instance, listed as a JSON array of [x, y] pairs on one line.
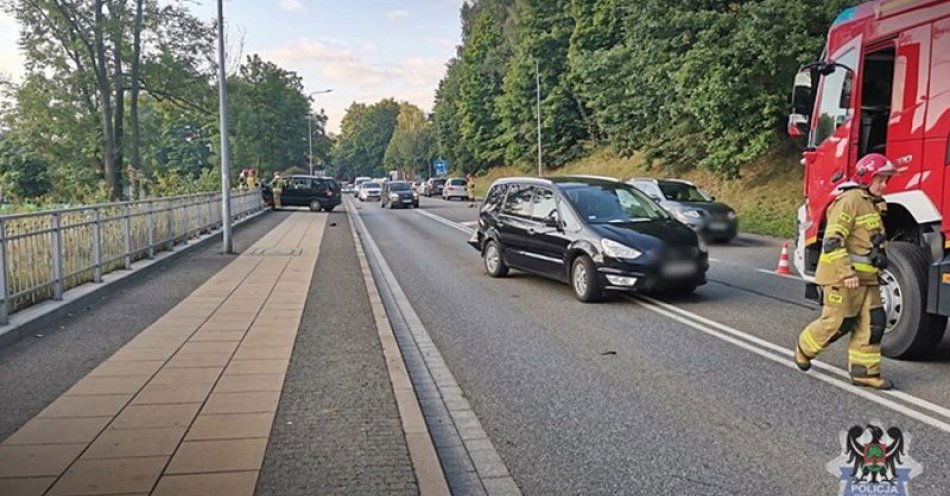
[[802, 360], [878, 383]]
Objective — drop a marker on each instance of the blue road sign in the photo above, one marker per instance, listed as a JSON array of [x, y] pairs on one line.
[[440, 168]]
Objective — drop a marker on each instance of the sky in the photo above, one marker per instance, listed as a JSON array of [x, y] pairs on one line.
[[364, 50]]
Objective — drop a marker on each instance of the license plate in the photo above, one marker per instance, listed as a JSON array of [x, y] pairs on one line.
[[719, 226], [407, 201], [676, 269]]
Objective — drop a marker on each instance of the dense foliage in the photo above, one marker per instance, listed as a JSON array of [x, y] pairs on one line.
[[699, 83], [119, 98]]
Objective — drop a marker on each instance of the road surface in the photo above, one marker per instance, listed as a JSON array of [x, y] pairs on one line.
[[695, 395]]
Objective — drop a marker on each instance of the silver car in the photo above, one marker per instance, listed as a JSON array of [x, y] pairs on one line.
[[369, 191], [455, 188], [691, 206]]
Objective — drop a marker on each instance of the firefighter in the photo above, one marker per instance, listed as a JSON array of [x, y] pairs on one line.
[[470, 186], [277, 185], [852, 254]]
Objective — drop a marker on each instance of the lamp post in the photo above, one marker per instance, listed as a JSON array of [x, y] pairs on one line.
[[537, 83], [310, 128], [228, 245]]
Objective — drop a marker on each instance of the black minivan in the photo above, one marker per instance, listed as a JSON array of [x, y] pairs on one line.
[[318, 193], [596, 234]]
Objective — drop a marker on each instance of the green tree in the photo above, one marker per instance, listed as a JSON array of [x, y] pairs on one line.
[[480, 84], [410, 147], [269, 113], [365, 133]]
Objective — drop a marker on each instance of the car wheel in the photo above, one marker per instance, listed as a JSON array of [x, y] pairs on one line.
[[329, 209], [415, 205], [584, 280], [495, 264], [315, 206]]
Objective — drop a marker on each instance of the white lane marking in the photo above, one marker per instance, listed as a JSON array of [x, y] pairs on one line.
[[787, 276], [471, 223], [786, 358], [443, 220], [909, 398], [826, 378], [491, 469]]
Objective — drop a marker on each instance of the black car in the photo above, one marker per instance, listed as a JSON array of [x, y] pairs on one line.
[[318, 193], [596, 234], [398, 194]]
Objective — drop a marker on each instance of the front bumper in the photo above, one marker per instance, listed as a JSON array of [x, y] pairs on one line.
[[649, 276]]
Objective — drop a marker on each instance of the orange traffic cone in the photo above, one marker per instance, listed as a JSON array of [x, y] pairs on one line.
[[783, 266]]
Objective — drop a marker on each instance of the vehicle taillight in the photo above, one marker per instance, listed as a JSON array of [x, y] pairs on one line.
[[329, 193]]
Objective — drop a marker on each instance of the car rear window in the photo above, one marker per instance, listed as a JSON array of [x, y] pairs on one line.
[[398, 187], [370, 185], [457, 182], [438, 182]]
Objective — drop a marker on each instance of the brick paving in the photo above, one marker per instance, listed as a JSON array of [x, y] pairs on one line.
[[185, 407], [338, 428]]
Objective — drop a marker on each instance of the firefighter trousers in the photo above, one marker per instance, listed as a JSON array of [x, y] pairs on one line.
[[277, 193], [856, 311]]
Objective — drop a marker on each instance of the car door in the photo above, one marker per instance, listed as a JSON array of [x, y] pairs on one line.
[[547, 245], [513, 224], [298, 191]]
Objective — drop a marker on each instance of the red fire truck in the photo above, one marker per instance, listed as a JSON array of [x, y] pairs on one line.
[[882, 85]]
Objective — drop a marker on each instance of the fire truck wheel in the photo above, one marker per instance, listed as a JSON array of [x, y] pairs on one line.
[[911, 332]]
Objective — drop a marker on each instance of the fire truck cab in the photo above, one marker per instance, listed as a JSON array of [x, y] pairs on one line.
[[883, 86]]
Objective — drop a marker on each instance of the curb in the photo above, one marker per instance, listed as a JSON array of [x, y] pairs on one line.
[[425, 461], [34, 317]]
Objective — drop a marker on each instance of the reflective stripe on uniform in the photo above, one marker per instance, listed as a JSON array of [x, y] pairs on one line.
[[813, 348], [864, 267], [863, 358], [839, 230], [834, 255], [870, 221], [845, 217]]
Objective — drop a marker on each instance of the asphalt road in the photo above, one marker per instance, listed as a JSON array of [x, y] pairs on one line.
[[627, 397]]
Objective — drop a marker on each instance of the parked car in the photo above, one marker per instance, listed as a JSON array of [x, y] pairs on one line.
[[455, 187], [318, 193], [692, 206], [398, 194], [369, 190], [597, 235], [433, 186]]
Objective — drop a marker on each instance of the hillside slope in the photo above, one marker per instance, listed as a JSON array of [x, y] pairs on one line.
[[766, 196]]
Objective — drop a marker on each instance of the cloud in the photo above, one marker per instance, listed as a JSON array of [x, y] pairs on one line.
[[355, 72], [291, 5], [397, 15], [11, 60]]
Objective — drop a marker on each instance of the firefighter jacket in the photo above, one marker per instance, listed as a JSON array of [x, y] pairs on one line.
[[854, 240]]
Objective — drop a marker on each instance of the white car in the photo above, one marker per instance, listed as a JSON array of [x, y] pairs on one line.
[[369, 190], [455, 188]]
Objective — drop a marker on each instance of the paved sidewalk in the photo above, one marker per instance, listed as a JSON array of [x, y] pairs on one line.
[[185, 407]]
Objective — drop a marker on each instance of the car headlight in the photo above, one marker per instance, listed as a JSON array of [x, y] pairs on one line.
[[393, 196], [731, 215], [617, 250]]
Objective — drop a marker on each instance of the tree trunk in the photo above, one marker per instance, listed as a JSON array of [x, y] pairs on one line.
[[105, 95], [119, 114], [136, 161]]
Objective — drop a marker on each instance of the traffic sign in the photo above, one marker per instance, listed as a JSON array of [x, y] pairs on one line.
[[440, 167]]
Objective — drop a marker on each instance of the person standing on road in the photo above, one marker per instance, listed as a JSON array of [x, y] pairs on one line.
[[277, 186], [851, 257], [470, 186]]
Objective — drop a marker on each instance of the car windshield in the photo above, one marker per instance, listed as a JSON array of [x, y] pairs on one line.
[[371, 185], [683, 192], [398, 186], [614, 203], [438, 182]]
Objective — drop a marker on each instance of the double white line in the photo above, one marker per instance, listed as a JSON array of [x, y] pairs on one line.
[[935, 415]]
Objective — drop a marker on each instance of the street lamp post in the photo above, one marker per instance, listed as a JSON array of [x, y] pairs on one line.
[[537, 83], [228, 245], [310, 128]]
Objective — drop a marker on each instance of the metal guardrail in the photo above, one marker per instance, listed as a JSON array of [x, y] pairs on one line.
[[43, 254]]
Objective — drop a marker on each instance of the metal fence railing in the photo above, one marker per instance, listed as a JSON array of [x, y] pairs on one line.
[[43, 254]]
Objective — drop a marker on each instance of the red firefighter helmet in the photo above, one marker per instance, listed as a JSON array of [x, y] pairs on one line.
[[871, 165]]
